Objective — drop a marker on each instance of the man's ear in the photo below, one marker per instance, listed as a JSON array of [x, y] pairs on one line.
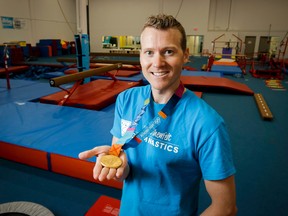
[[186, 55]]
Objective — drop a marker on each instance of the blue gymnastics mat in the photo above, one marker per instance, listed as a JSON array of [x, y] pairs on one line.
[[25, 90], [54, 129], [15, 84], [50, 137], [226, 70]]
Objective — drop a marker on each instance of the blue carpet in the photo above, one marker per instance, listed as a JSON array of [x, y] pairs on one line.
[[60, 194]]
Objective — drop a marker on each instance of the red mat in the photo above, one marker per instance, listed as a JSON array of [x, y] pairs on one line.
[[21, 154], [104, 206], [94, 95], [61, 164], [225, 63], [202, 83], [124, 66], [124, 73], [78, 169]]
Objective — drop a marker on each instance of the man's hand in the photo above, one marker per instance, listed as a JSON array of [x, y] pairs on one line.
[[101, 173]]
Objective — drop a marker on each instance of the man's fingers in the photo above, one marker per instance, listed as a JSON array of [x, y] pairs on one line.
[[103, 174], [94, 152], [97, 168], [111, 174]]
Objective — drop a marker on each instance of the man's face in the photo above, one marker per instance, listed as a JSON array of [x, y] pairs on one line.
[[162, 58]]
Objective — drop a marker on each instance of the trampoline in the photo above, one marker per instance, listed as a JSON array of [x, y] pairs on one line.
[[22, 208]]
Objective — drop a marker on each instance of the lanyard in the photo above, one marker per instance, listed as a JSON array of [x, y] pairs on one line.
[[132, 138]]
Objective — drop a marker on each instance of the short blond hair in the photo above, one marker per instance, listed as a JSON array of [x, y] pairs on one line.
[[164, 22]]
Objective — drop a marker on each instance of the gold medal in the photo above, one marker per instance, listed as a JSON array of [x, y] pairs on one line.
[[111, 161]]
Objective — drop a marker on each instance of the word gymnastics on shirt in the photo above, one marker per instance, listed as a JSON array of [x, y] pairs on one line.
[[162, 145]]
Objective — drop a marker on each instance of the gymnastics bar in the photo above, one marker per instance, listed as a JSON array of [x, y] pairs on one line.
[[55, 82]]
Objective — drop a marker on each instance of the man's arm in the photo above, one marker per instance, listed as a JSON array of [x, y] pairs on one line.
[[223, 197]]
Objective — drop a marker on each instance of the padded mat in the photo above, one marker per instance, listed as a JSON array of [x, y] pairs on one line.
[[215, 84], [94, 95]]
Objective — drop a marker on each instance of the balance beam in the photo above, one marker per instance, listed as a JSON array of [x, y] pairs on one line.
[[263, 107], [55, 82]]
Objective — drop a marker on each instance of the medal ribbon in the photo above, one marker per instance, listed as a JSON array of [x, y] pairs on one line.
[[132, 138]]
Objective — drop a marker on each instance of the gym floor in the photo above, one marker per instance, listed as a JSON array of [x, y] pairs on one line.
[[259, 149]]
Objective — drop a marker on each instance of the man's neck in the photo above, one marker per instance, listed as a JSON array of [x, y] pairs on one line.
[[161, 98]]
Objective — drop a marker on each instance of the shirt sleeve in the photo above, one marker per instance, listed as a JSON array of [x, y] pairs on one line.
[[116, 129], [215, 155]]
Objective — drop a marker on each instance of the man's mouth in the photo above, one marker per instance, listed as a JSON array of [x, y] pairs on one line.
[[159, 74]]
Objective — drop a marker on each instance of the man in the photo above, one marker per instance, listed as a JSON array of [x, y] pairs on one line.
[[180, 139]]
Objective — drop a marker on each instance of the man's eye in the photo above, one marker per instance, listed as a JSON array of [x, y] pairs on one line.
[[168, 52], [148, 53]]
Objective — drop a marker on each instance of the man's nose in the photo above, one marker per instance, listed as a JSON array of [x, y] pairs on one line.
[[158, 61]]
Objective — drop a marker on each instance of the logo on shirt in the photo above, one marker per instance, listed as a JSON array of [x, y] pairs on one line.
[[160, 140], [125, 124]]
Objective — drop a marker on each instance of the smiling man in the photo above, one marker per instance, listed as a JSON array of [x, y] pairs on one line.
[[167, 138]]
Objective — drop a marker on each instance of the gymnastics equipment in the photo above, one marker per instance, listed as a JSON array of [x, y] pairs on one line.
[[82, 50], [24, 208], [211, 59], [94, 95], [242, 63], [79, 77], [227, 66], [274, 84], [273, 72], [238, 49], [283, 47], [6, 57], [12, 69], [56, 82], [104, 206], [53, 138], [227, 51], [263, 107], [215, 83], [214, 42]]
